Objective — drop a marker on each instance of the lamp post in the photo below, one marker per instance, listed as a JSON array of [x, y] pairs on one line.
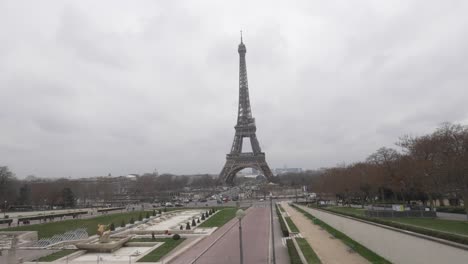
[[240, 214], [272, 229]]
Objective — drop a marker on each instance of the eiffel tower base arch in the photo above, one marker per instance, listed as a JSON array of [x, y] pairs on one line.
[[236, 163]]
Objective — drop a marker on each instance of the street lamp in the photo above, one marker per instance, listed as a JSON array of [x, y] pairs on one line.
[[272, 229], [240, 214]]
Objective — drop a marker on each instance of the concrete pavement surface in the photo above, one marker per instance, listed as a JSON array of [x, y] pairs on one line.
[[223, 245]]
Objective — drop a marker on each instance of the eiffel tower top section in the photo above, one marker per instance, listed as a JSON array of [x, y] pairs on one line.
[[244, 116]]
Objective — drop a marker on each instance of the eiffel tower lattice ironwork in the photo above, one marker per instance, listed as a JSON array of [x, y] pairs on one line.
[[237, 160]]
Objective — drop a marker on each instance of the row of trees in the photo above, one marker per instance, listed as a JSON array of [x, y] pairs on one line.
[[66, 192], [427, 168]]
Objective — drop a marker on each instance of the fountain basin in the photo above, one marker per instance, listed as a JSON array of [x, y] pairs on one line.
[[111, 246]]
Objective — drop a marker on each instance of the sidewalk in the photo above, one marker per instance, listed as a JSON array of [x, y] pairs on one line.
[[328, 249]]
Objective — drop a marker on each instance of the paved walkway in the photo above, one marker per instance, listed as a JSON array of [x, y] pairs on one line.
[[329, 250], [393, 245], [223, 245]]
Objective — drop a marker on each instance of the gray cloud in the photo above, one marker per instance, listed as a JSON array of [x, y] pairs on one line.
[[90, 88]]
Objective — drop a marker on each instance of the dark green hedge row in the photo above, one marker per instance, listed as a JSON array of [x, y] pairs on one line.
[[284, 229], [451, 209], [421, 230], [292, 251]]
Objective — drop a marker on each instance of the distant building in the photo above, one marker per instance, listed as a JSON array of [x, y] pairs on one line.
[[279, 171]]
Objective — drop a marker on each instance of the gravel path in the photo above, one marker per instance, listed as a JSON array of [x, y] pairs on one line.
[[329, 250]]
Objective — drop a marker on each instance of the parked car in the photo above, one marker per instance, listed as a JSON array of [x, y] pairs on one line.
[[168, 204], [178, 205]]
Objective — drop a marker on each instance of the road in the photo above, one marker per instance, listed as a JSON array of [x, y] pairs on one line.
[[223, 245]]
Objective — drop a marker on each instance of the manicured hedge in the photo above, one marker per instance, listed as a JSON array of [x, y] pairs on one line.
[[451, 209], [284, 229], [421, 230], [292, 251]]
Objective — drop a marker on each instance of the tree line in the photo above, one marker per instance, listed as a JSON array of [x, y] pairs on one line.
[[425, 168], [63, 192]]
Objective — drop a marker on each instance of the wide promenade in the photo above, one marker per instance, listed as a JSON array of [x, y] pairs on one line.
[[223, 245], [393, 245]]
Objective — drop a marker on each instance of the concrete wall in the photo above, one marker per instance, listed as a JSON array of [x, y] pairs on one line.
[[395, 246]]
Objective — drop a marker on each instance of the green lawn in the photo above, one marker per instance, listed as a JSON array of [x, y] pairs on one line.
[[291, 224], [349, 210], [56, 255], [308, 252], [161, 251], [49, 229], [450, 226], [220, 218]]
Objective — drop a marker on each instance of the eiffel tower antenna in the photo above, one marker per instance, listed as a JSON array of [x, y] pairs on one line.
[[236, 160]]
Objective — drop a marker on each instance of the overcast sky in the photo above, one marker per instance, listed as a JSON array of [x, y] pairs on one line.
[[89, 88]]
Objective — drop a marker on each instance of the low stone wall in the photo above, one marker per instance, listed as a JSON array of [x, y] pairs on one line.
[[141, 244]]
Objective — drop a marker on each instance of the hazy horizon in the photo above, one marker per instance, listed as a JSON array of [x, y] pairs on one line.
[[90, 88]]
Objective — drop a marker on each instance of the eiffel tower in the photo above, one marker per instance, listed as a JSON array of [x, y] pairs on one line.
[[237, 160]]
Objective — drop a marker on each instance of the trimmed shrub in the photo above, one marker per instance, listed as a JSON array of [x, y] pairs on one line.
[[203, 216], [198, 220], [152, 236], [283, 227], [176, 237], [147, 215], [187, 227], [154, 212], [181, 227], [140, 217], [193, 222], [293, 254], [112, 227], [132, 221], [122, 224], [451, 209]]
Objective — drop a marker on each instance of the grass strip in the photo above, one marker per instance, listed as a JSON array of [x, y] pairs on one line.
[[452, 230], [47, 230], [161, 251], [283, 227], [360, 249], [220, 218], [293, 254], [56, 255], [291, 224], [308, 252]]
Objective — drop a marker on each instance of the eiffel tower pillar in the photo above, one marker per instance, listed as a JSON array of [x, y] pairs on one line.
[[236, 160]]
